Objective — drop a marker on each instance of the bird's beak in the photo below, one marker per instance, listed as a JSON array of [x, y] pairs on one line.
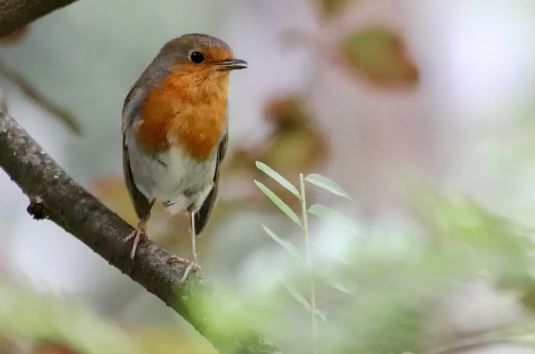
[[232, 64]]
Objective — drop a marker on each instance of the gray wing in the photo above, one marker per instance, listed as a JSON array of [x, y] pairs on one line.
[[203, 214], [141, 204]]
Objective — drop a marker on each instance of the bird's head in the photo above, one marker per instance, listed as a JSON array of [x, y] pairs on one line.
[[199, 55]]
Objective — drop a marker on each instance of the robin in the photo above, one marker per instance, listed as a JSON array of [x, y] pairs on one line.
[[175, 131]]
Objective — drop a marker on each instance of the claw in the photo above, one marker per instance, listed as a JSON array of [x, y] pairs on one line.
[[135, 235], [191, 266]]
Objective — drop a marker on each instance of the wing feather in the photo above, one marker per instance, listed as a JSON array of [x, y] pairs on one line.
[[141, 204], [203, 214]]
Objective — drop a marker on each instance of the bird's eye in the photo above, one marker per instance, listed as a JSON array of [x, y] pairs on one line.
[[196, 57]]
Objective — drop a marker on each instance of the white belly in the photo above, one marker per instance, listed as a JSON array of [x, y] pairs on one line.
[[172, 178]]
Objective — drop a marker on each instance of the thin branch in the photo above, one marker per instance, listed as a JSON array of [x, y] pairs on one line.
[[16, 13], [33, 93], [308, 250], [55, 196]]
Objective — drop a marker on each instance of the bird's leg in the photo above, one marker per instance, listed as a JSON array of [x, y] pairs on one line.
[[191, 265], [138, 232], [193, 237], [136, 235]]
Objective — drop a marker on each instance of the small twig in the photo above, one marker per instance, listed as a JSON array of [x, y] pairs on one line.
[[33, 93], [308, 247]]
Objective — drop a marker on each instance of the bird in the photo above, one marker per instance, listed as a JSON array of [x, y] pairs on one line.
[[175, 133]]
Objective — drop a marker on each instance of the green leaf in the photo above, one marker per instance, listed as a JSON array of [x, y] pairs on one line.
[[329, 214], [322, 315], [327, 184], [303, 301], [340, 287], [278, 178], [279, 203], [297, 296], [285, 244]]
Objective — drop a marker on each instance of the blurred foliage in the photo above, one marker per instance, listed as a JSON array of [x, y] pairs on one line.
[[33, 323], [386, 297], [163, 340], [294, 140], [53, 326], [112, 192], [295, 144], [333, 7], [380, 56], [50, 348]]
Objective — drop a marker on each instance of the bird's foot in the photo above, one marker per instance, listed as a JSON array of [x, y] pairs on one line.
[[136, 236], [190, 265]]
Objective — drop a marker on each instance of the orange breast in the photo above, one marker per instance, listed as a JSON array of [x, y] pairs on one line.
[[188, 108]]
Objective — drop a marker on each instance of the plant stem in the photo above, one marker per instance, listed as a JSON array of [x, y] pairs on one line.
[[308, 249]]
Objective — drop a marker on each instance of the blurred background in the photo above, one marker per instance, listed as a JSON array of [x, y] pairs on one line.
[[422, 111]]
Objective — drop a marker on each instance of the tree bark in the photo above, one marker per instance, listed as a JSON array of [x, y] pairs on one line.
[[16, 13], [55, 196]]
